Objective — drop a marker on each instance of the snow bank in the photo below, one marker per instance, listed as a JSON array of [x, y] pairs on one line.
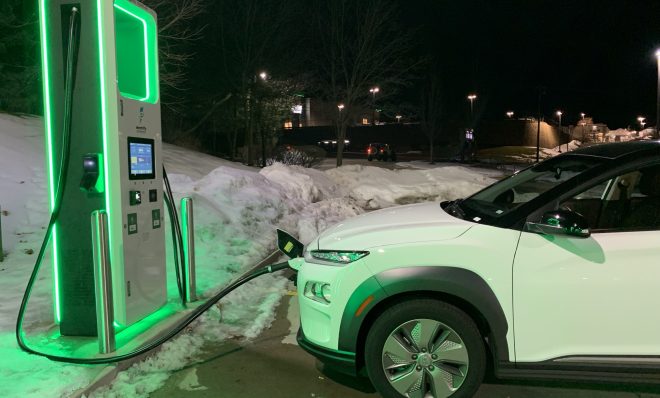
[[647, 132], [375, 188], [573, 145], [236, 212]]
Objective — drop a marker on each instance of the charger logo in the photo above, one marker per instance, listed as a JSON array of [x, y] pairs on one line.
[[141, 115]]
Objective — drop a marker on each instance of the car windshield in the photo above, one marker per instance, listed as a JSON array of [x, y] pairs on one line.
[[503, 197]]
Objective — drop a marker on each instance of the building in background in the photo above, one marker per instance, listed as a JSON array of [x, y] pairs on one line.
[[313, 112], [588, 131], [518, 132]]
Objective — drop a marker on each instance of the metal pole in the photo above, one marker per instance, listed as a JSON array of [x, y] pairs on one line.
[[105, 315], [560, 134], [189, 248], [2, 252], [373, 104], [657, 102], [538, 126]]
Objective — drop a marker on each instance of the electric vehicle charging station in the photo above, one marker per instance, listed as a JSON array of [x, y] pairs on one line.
[[104, 163], [115, 155]]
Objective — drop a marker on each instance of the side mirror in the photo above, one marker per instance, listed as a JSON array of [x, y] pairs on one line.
[[561, 222], [289, 245]]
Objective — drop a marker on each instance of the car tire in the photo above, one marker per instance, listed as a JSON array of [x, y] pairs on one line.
[[451, 353]]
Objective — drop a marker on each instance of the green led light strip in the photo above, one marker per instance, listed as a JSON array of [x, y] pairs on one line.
[[49, 146], [149, 28], [104, 124]]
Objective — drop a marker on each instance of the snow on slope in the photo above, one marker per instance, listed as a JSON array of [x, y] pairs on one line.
[[22, 175], [237, 209]]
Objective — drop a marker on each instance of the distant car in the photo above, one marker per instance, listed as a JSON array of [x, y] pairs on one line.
[[419, 296], [380, 152]]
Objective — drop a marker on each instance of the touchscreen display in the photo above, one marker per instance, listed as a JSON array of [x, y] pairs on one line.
[[141, 159]]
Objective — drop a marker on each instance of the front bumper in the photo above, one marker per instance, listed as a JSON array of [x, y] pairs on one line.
[[341, 361]]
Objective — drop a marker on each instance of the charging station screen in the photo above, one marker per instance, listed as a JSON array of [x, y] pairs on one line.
[[141, 159]]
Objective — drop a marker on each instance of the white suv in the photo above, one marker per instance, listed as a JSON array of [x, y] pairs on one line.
[[553, 272]]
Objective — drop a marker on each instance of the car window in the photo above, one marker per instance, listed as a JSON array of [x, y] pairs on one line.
[[627, 202], [506, 195]]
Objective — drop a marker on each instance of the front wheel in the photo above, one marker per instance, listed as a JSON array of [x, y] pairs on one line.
[[425, 348]]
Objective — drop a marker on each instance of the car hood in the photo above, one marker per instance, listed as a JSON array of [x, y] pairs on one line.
[[395, 225]]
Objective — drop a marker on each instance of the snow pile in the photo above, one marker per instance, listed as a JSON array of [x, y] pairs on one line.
[[375, 188], [647, 132], [621, 135], [236, 212], [573, 145]]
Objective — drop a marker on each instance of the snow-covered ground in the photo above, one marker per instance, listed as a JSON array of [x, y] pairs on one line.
[[236, 212]]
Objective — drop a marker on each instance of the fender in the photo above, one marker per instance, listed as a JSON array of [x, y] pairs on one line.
[[458, 282]]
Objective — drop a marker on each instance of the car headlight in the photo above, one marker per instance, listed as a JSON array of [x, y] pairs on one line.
[[334, 257]]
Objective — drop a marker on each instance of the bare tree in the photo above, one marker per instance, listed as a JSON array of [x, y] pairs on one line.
[[431, 110], [19, 57], [176, 34], [248, 35], [358, 47]]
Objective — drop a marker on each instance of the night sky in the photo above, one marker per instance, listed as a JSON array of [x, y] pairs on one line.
[[595, 57]]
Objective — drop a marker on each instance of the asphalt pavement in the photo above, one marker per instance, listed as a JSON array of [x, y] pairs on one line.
[[274, 366]]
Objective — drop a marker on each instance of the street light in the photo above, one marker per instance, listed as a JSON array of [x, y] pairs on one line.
[[398, 118], [583, 123], [472, 97], [509, 114], [538, 124], [340, 107], [559, 115], [641, 121], [263, 76], [373, 92]]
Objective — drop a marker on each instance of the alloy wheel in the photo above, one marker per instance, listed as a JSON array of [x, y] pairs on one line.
[[425, 358]]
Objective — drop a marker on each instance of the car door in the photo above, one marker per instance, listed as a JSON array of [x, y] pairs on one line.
[[597, 296]]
